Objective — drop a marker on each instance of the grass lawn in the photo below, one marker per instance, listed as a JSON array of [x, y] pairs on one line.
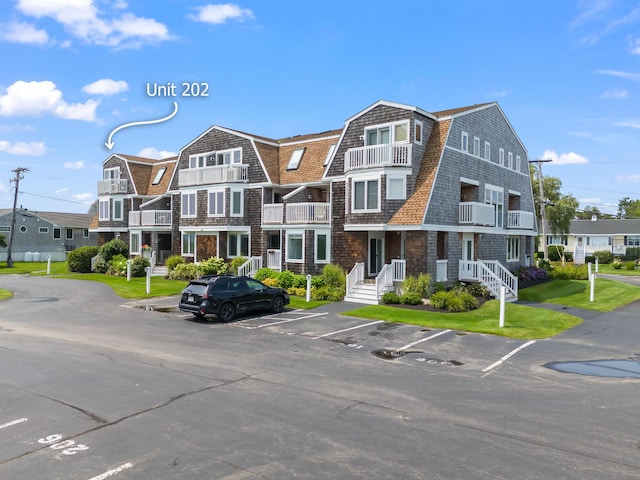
[[608, 294], [4, 294], [521, 321], [607, 268], [34, 268]]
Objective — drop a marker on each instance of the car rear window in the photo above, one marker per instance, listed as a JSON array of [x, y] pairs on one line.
[[197, 288]]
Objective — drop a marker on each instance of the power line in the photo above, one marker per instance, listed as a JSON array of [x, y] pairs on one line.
[[56, 198]]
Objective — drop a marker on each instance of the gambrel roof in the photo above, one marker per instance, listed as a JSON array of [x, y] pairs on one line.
[[143, 171]]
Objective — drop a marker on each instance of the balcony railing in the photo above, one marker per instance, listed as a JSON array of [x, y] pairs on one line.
[[150, 218], [475, 213], [520, 219], [214, 174], [385, 155], [310, 212], [118, 185]]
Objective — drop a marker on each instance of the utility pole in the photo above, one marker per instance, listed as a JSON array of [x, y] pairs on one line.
[[19, 175], [543, 220]]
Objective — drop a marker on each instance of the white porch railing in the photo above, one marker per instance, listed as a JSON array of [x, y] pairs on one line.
[[273, 213], [476, 213], [213, 174], [520, 219], [384, 280], [399, 269], [490, 273], [151, 218], [250, 267], [385, 155], [274, 259], [113, 185], [311, 212], [442, 267], [355, 276]]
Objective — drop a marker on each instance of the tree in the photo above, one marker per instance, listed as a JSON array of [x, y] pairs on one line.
[[628, 208], [3, 241], [588, 212]]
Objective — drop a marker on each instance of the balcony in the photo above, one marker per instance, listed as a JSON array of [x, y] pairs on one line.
[[520, 219], [475, 213], [296, 213], [113, 185], [150, 218], [212, 175], [372, 156]]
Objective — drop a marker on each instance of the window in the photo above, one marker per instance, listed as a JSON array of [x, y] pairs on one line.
[[502, 157], [476, 146], [57, 233], [85, 233], [513, 249], [23, 228], [238, 244], [5, 228], [510, 160], [465, 142], [396, 188], [417, 134], [295, 247], [43, 230], [198, 161], [389, 133], [401, 132], [69, 233], [111, 173], [487, 151], [237, 200], [117, 209], [557, 240], [365, 195], [188, 244], [633, 241], [332, 149], [518, 163], [322, 247], [294, 161], [159, 175], [103, 210], [495, 196], [227, 157], [599, 241], [134, 240], [188, 204], [216, 203]]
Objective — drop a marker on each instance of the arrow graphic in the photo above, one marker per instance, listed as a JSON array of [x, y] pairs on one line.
[[110, 144]]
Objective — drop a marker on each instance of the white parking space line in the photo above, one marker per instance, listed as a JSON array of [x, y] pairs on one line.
[[507, 356], [306, 317], [113, 472], [346, 330], [15, 422], [424, 340]]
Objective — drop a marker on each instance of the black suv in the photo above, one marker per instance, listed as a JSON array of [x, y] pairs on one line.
[[226, 295]]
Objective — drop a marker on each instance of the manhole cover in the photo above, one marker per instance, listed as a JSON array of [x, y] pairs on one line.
[[599, 368], [153, 308], [391, 354]]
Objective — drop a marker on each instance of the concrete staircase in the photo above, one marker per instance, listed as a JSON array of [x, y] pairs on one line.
[[363, 293]]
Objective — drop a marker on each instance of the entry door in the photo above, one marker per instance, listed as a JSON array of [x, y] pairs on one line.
[[376, 252], [466, 272]]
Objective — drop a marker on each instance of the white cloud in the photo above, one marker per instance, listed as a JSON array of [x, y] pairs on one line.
[[83, 197], [497, 94], [11, 129], [3, 188], [633, 123], [74, 165], [635, 46], [153, 152], [39, 98], [570, 158], [615, 94], [221, 12], [620, 74], [83, 20], [628, 178], [106, 86], [23, 148], [590, 200], [20, 32], [61, 190]]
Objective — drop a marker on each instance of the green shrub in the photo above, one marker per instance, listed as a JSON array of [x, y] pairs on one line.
[[270, 282], [631, 253], [317, 281], [546, 264], [113, 248], [100, 265], [475, 289], [236, 263], [334, 276], [411, 299], [300, 281], [468, 301], [330, 294], [390, 298], [440, 299], [117, 265], [603, 256], [299, 292], [630, 265], [173, 261], [589, 259], [285, 279], [439, 287], [79, 260], [139, 265], [555, 253], [454, 301], [185, 271], [213, 266], [265, 272], [617, 264], [569, 272], [420, 284], [568, 256]]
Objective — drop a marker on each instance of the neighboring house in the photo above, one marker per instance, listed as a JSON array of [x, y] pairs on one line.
[[40, 234], [396, 191], [590, 236], [133, 204]]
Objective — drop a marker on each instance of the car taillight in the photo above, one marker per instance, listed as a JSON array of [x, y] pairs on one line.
[[205, 296]]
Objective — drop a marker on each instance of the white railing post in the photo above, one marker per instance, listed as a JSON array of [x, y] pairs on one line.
[[503, 295], [308, 288], [48, 264], [148, 271], [128, 270]]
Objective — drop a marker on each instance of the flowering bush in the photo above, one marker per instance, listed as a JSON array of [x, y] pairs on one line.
[[531, 274], [617, 264]]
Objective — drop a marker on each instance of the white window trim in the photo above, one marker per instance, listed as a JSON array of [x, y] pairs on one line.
[[501, 157], [159, 174], [518, 163], [476, 147], [296, 158], [195, 205], [43, 230], [415, 132], [231, 192], [194, 159], [332, 148], [365, 179], [182, 251], [59, 237], [510, 244], [464, 143], [239, 234], [403, 178], [487, 151], [232, 159], [216, 191], [392, 130], [121, 202], [66, 233], [510, 160], [315, 245], [109, 170], [294, 232], [499, 215], [104, 214], [135, 247]]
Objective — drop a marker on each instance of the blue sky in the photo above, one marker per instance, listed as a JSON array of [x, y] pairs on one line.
[[566, 73]]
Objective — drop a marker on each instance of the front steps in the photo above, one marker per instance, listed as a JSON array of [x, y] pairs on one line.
[[363, 293]]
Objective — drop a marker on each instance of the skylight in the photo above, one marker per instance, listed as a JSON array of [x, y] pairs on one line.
[[159, 175], [294, 161]]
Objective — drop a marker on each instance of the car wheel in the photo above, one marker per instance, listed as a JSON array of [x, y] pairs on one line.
[[277, 305], [199, 316], [226, 312]]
